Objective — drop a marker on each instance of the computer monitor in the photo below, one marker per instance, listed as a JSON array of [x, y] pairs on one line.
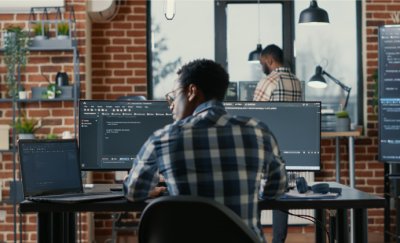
[[296, 126], [111, 133]]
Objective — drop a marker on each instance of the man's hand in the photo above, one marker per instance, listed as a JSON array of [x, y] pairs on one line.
[[157, 191]]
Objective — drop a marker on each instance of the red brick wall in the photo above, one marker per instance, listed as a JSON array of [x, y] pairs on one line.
[[119, 53], [55, 117]]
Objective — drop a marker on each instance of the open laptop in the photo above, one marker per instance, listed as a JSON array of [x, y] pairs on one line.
[[50, 171]]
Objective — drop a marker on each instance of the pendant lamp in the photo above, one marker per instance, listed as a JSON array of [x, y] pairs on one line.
[[313, 15], [254, 56]]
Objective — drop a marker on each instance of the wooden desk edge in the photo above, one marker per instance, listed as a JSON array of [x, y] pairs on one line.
[[352, 133]]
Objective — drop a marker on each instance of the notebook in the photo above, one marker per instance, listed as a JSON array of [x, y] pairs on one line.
[[50, 171]]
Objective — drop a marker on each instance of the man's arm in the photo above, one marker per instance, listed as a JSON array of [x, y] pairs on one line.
[[275, 177], [143, 177], [264, 89]]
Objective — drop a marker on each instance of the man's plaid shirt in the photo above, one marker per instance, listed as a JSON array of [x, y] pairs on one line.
[[279, 85], [215, 155]]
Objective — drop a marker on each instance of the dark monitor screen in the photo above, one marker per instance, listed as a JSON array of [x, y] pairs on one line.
[[389, 130], [111, 133], [296, 126]]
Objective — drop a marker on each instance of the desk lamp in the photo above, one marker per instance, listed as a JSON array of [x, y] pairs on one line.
[[318, 81]]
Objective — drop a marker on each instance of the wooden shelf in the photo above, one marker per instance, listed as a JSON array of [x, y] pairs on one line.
[[36, 100], [52, 45]]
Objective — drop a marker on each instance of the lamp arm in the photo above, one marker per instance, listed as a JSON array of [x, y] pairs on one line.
[[342, 85]]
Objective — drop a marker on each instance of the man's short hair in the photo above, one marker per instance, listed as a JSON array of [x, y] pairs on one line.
[[274, 51], [209, 76]]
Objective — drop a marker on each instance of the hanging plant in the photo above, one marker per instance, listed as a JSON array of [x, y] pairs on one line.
[[16, 48]]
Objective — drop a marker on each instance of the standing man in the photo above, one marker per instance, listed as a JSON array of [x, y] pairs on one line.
[[206, 152], [279, 85]]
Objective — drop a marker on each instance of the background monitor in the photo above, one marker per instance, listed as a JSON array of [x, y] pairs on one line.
[[296, 126], [246, 90], [111, 133]]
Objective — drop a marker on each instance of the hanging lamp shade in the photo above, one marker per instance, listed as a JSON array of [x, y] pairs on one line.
[[317, 80], [254, 56], [314, 15]]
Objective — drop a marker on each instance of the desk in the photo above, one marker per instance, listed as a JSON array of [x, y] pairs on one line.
[[350, 135], [350, 198]]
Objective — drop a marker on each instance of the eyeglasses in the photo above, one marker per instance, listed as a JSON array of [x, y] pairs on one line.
[[170, 96]]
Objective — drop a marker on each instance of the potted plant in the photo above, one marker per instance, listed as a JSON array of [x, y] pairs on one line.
[[342, 121], [41, 31], [16, 48], [51, 136], [53, 91], [63, 30], [26, 127]]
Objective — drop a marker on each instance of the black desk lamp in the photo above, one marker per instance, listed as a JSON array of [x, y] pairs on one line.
[[318, 81]]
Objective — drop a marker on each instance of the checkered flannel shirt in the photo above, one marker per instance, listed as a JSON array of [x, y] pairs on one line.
[[279, 85], [215, 155]]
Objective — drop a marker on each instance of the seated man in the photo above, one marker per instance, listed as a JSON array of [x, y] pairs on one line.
[[207, 152]]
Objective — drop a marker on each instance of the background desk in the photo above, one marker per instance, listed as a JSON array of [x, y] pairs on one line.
[[350, 136], [350, 198]]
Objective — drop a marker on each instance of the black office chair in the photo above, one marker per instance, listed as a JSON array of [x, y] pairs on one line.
[[192, 219]]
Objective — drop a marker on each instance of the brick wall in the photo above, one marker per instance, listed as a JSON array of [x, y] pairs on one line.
[[119, 68], [119, 64], [55, 117]]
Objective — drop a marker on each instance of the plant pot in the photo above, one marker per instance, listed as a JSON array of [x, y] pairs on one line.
[[37, 92], [4, 137], [343, 124], [40, 37], [26, 136], [62, 37], [66, 92]]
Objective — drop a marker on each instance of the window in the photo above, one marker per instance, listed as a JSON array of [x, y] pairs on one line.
[[227, 31], [188, 36], [334, 47], [242, 37]]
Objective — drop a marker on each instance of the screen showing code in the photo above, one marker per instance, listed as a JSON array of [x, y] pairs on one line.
[[111, 133]]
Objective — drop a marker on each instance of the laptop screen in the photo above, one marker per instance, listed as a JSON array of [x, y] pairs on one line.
[[49, 167]]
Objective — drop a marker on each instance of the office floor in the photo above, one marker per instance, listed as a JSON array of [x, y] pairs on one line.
[[292, 238]]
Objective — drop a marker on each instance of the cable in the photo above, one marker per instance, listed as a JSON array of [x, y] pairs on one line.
[[312, 219]]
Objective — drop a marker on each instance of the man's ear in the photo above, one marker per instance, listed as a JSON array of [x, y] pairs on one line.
[[192, 92], [269, 60]]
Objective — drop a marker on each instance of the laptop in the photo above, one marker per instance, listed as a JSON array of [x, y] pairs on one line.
[[50, 171]]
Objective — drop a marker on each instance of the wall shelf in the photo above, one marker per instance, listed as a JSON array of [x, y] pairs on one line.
[[7, 100], [52, 45]]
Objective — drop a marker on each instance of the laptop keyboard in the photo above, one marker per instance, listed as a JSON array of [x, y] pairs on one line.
[[72, 195]]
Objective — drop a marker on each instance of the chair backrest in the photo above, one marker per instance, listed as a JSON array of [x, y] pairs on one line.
[[192, 219]]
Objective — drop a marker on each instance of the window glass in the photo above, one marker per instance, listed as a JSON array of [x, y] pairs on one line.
[[334, 48], [245, 29], [190, 35]]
